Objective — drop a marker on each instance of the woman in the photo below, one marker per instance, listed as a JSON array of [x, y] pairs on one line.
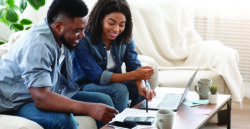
[[98, 57]]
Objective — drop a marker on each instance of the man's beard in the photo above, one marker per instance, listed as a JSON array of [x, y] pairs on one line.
[[66, 44]]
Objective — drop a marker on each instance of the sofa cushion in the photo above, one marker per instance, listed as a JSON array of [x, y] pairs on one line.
[[15, 122], [180, 78], [86, 122]]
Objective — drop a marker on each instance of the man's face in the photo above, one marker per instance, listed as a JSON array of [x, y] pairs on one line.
[[73, 31]]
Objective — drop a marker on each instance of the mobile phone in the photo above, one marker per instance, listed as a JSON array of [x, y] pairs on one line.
[[123, 124], [140, 120]]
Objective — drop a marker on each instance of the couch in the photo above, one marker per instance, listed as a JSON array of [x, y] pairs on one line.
[[166, 39], [85, 122]]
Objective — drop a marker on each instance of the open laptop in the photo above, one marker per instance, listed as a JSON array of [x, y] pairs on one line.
[[170, 101]]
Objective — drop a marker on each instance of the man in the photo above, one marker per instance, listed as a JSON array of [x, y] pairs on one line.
[[36, 74]]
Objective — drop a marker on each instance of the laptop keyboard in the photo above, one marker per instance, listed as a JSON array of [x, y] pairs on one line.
[[170, 101]]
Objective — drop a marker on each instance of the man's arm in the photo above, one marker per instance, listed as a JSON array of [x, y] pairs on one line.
[[44, 99]]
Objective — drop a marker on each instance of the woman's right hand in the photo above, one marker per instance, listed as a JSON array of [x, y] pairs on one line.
[[144, 73]]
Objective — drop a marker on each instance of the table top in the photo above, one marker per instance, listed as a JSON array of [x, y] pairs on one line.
[[192, 117]]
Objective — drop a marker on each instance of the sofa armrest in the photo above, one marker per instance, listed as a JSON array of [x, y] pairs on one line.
[[149, 61], [16, 122]]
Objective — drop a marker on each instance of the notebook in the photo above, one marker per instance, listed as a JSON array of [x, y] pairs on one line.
[[169, 100]]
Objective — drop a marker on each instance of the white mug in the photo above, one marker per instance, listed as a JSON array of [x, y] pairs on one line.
[[202, 87], [164, 119]]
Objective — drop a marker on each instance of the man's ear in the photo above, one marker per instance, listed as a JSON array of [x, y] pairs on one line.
[[59, 27]]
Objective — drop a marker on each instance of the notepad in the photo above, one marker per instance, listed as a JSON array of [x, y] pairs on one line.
[[132, 112]]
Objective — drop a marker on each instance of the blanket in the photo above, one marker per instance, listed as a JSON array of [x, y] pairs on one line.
[[164, 30]]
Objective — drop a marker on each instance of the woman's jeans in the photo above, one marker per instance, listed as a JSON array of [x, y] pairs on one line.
[[120, 93], [56, 120]]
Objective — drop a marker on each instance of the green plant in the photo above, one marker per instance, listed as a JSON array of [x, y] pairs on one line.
[[213, 89], [9, 13]]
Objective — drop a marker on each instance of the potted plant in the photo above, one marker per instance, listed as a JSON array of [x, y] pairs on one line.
[[10, 11], [213, 94]]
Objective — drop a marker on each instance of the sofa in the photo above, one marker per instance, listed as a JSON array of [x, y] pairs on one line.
[[165, 38], [85, 122]]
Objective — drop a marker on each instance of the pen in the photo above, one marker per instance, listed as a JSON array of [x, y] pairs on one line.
[[146, 105]]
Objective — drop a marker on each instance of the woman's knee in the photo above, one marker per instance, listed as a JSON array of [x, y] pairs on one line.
[[120, 89], [105, 99]]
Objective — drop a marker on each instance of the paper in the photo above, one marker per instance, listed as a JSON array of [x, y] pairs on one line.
[[196, 102], [132, 112]]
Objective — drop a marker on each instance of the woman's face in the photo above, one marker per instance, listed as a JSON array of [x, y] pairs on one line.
[[113, 25]]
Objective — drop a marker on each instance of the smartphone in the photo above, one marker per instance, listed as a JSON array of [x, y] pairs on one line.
[[123, 124], [140, 120]]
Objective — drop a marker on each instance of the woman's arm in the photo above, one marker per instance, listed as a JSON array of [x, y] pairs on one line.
[[142, 73]]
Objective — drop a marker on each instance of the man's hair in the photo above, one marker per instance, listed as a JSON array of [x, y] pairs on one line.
[[103, 8], [70, 8]]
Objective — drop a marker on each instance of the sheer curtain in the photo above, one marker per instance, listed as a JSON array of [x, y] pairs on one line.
[[229, 22]]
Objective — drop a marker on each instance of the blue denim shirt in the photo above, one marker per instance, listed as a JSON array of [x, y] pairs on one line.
[[34, 62], [90, 61]]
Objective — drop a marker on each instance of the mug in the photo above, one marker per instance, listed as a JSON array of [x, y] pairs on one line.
[[164, 119], [202, 87]]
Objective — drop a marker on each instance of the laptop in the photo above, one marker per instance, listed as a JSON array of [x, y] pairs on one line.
[[169, 100]]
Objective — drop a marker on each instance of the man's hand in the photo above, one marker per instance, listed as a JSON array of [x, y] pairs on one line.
[[144, 73], [102, 112]]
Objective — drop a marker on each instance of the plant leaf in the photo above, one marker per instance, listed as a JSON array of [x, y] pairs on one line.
[[27, 28], [23, 5], [11, 16], [16, 27], [11, 3], [25, 21], [2, 2], [36, 4], [1, 42], [3, 18], [1, 13]]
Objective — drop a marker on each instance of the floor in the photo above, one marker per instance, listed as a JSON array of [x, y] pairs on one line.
[[239, 117]]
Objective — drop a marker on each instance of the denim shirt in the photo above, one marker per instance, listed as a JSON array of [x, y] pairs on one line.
[[34, 62], [90, 61]]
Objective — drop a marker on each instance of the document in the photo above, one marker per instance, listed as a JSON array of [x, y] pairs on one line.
[[132, 112]]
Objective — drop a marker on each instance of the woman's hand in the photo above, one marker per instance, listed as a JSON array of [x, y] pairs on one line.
[[144, 73], [145, 91]]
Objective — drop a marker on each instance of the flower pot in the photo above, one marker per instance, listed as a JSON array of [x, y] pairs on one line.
[[212, 98]]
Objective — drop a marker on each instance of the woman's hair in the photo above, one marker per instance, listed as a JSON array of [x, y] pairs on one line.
[[70, 8], [103, 8]]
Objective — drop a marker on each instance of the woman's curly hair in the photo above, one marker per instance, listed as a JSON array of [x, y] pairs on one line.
[[103, 8]]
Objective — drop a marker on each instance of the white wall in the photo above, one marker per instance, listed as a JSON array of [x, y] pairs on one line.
[[4, 32]]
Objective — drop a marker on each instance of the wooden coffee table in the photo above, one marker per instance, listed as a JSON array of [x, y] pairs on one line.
[[191, 117]]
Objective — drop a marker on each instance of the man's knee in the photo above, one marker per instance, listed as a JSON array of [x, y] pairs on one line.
[[61, 121]]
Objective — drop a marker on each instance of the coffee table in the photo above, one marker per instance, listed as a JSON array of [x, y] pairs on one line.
[[190, 117]]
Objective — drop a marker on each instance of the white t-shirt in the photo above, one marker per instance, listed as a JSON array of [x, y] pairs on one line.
[[111, 63]]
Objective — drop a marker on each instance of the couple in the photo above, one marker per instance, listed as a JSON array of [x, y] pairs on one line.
[[36, 76]]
